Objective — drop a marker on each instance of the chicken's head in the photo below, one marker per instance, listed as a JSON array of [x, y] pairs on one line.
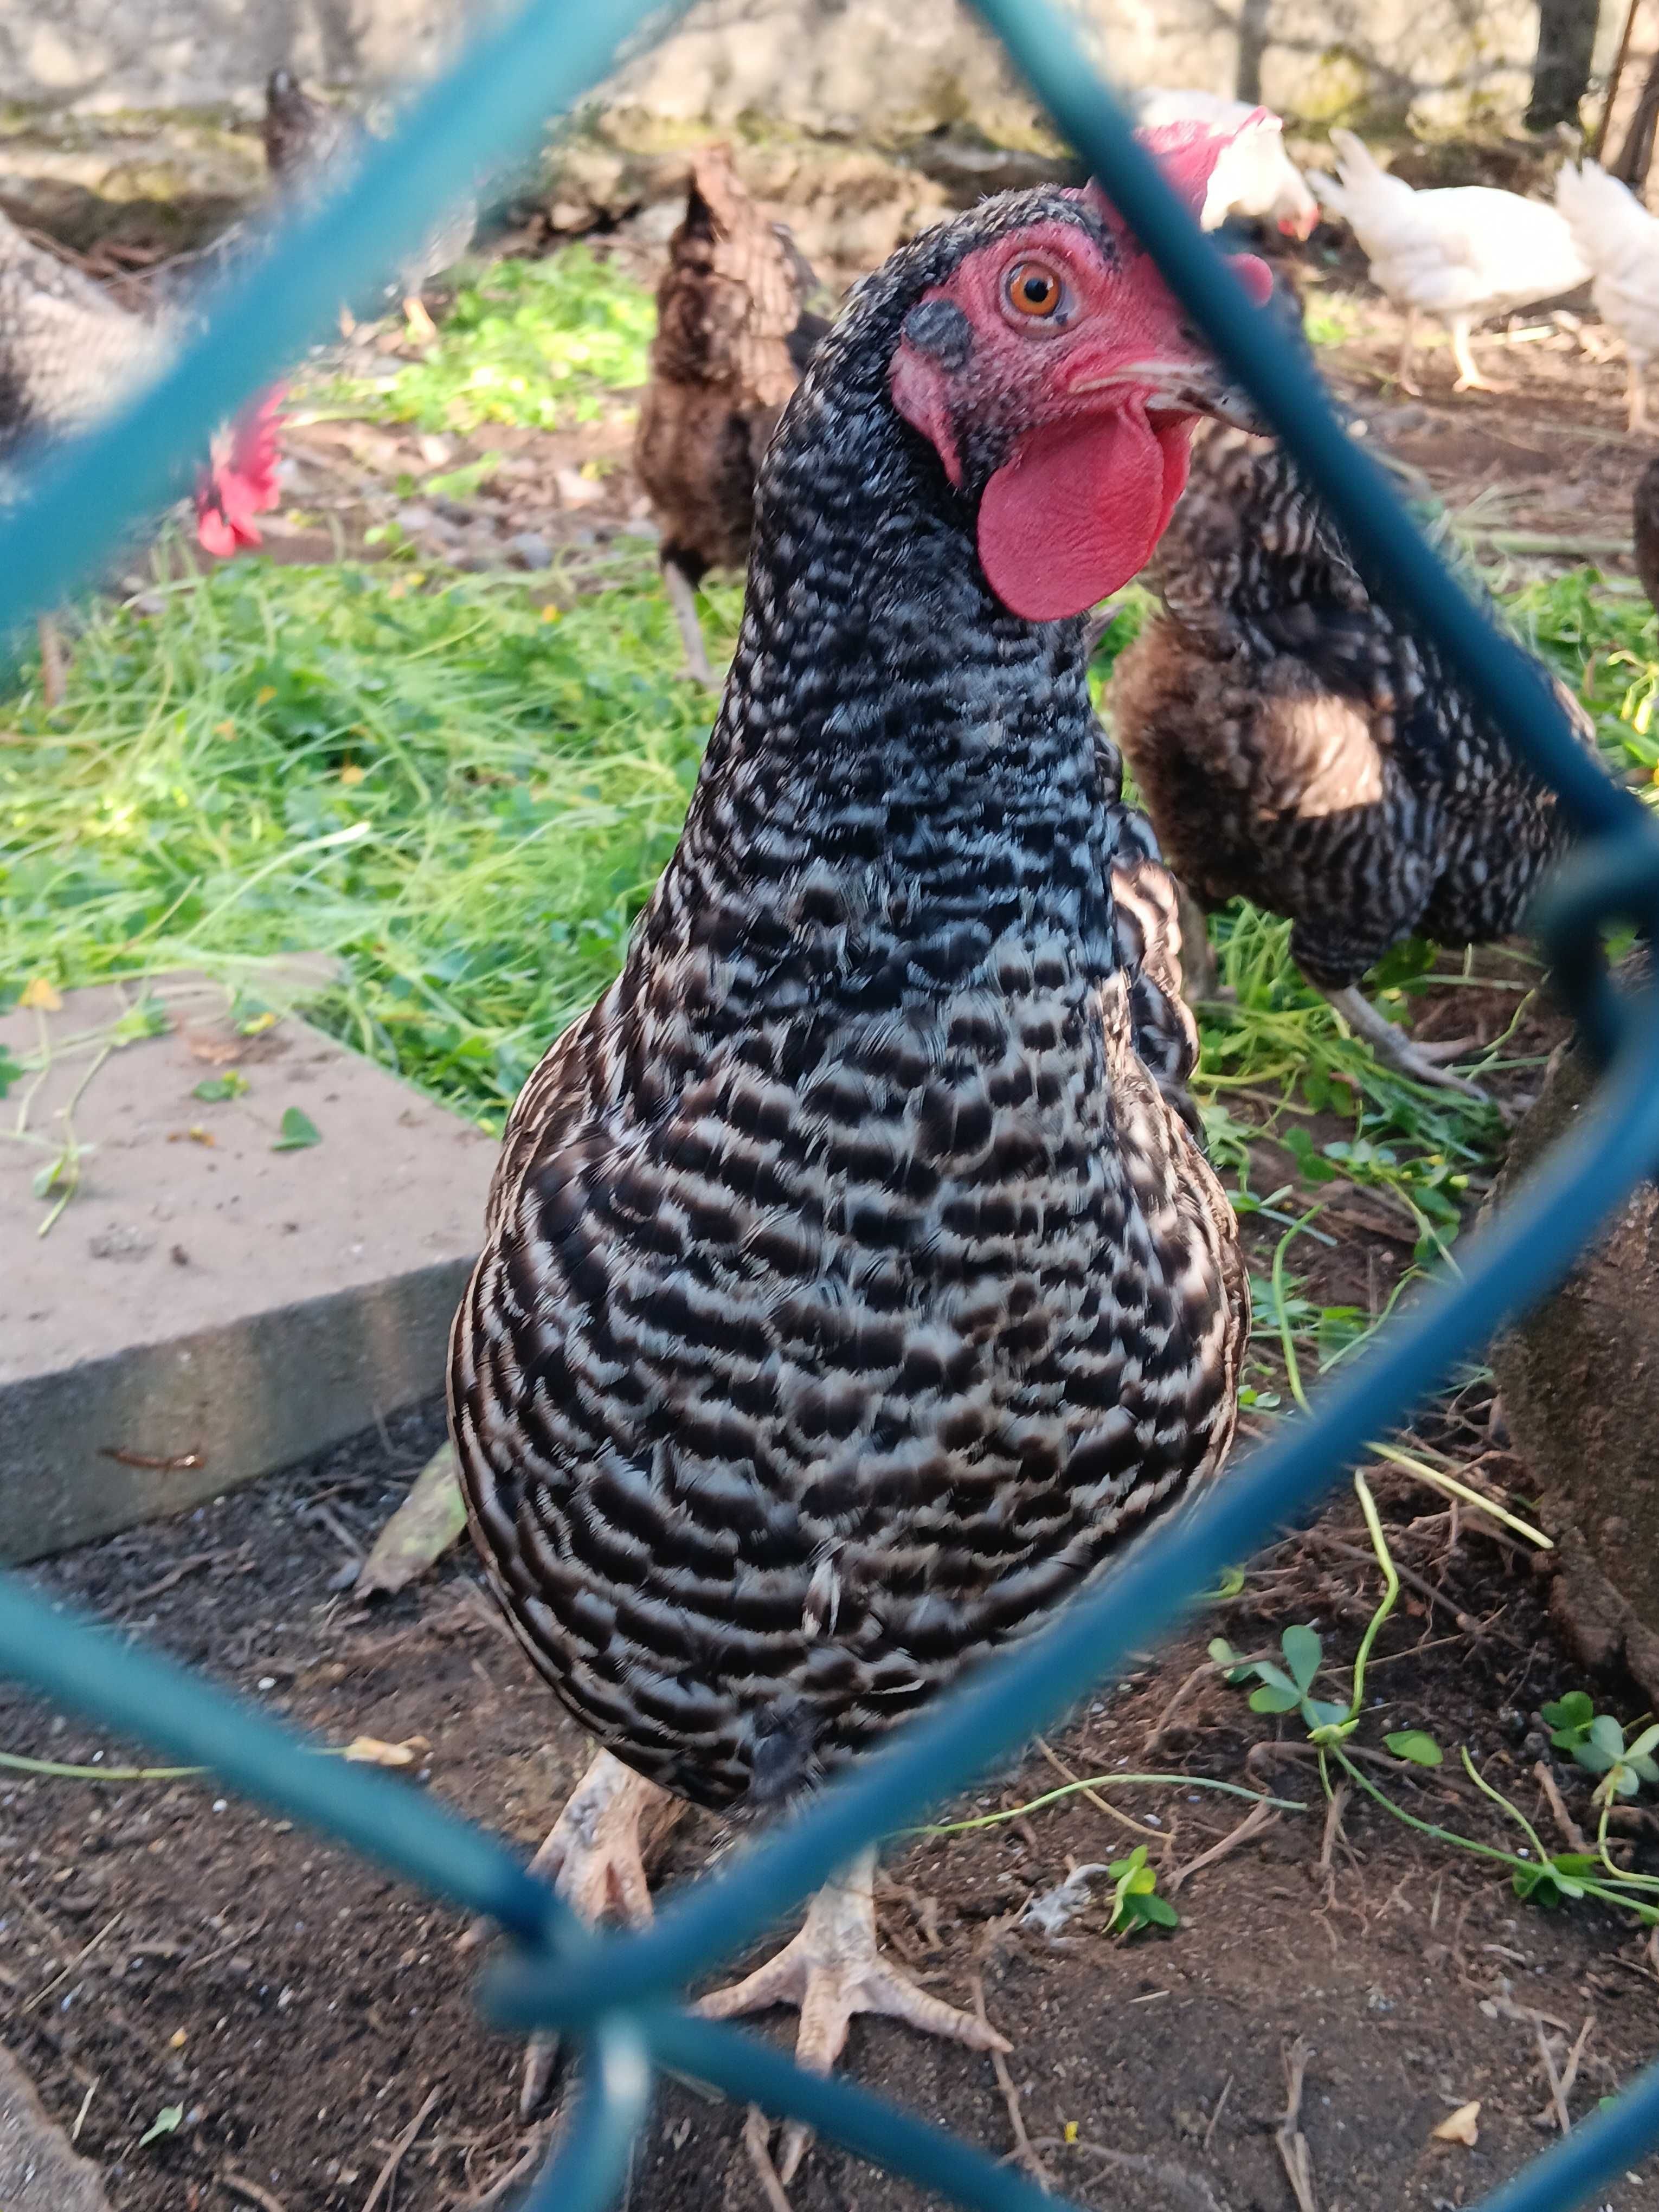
[[1058, 380], [240, 479]]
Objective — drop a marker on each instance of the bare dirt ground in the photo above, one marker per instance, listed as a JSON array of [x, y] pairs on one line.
[[163, 1946]]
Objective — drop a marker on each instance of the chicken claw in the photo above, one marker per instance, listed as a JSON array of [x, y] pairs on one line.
[[1421, 1062], [831, 1970], [595, 1854]]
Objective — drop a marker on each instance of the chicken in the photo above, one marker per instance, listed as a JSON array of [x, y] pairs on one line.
[[311, 145], [732, 340], [70, 355], [1620, 239], [854, 1286], [1463, 254], [1256, 178], [1296, 744]]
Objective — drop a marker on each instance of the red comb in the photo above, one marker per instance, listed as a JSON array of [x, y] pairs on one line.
[[1190, 152], [241, 479]]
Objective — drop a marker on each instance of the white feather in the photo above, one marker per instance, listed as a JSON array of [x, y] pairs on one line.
[[1469, 250], [1620, 241]]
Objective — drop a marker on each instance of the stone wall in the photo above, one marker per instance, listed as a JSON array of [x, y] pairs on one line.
[[834, 67]]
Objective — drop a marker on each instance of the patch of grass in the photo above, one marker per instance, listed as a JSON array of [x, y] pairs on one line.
[[464, 800], [540, 343]]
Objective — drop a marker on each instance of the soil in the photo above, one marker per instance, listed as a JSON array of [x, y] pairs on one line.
[[161, 1946]]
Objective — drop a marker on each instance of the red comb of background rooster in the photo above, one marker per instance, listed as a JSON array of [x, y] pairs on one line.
[[240, 481], [1195, 157]]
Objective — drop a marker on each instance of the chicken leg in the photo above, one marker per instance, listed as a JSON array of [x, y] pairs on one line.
[[1638, 421], [683, 598], [1408, 347], [1199, 971], [596, 1857], [1421, 1062], [1470, 377], [831, 1970]]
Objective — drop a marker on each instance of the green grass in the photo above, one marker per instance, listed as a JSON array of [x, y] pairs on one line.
[[465, 801], [540, 343]]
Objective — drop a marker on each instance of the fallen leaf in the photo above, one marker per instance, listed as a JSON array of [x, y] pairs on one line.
[[40, 994], [224, 729], [166, 2123], [298, 1130], [214, 1090], [420, 1532], [1460, 2126], [257, 1024], [215, 1049], [369, 1751]]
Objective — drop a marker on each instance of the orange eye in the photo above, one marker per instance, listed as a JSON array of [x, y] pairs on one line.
[[1033, 290]]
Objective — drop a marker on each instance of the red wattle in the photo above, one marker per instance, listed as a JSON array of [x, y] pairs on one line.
[[1076, 510]]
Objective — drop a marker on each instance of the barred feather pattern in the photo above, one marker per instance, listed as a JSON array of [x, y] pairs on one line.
[[68, 354], [1297, 745], [854, 1285]]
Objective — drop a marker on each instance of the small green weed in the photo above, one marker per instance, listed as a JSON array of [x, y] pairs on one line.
[[1136, 1904]]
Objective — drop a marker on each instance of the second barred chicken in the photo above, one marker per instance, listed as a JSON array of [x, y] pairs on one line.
[[1297, 744]]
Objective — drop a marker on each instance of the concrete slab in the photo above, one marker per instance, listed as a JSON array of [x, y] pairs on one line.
[[38, 2170], [206, 1308]]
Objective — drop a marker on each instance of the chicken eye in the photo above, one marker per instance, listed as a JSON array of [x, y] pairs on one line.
[[1034, 290]]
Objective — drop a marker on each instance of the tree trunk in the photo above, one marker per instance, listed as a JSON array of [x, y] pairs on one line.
[[1632, 163], [1566, 53]]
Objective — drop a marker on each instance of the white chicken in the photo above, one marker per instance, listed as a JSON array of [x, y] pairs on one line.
[[1620, 241], [1460, 253], [1254, 176]]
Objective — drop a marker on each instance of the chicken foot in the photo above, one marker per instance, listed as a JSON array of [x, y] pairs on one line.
[[1636, 394], [831, 1970], [613, 1821], [1470, 377], [683, 598], [1421, 1062], [417, 322]]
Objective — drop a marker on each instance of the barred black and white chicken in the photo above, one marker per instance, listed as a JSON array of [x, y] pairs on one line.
[[70, 355], [854, 1286], [1297, 744]]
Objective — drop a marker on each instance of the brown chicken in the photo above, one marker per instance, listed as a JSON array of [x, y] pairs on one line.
[[733, 341]]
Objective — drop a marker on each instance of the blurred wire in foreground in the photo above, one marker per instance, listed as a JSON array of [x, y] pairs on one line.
[[616, 1994]]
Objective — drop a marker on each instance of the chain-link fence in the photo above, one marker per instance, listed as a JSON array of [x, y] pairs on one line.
[[615, 1995]]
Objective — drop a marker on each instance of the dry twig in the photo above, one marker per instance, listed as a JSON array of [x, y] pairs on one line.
[[1292, 2143], [757, 2142], [1558, 2098], [1024, 2150], [1577, 1839], [250, 2191], [1333, 1813], [1100, 1803], [1258, 1818], [383, 2178]]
